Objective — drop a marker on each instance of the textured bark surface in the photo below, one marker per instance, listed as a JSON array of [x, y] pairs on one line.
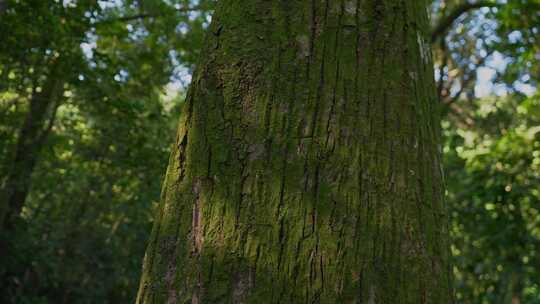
[[306, 167]]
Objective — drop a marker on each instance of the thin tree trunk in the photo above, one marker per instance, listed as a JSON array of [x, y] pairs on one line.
[[306, 167]]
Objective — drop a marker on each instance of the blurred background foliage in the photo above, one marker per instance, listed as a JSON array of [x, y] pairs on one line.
[[90, 94]]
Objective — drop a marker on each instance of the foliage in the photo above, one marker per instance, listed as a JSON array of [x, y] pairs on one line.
[[89, 213], [493, 172], [502, 39], [84, 226]]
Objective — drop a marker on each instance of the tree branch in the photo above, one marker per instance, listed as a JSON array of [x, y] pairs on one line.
[[446, 22], [130, 18], [146, 15]]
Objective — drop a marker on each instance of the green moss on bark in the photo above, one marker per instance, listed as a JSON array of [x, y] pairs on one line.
[[306, 167]]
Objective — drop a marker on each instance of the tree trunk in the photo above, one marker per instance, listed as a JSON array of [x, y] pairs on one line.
[[3, 6], [36, 126], [306, 167]]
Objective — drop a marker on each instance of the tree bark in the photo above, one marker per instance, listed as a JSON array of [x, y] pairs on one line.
[[306, 167]]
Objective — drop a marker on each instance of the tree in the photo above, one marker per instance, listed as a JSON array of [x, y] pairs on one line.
[[77, 136], [42, 57], [306, 167], [37, 69]]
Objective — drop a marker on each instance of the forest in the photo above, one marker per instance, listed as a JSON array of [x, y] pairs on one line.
[[94, 94]]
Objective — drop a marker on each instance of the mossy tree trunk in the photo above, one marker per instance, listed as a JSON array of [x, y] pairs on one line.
[[306, 167]]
